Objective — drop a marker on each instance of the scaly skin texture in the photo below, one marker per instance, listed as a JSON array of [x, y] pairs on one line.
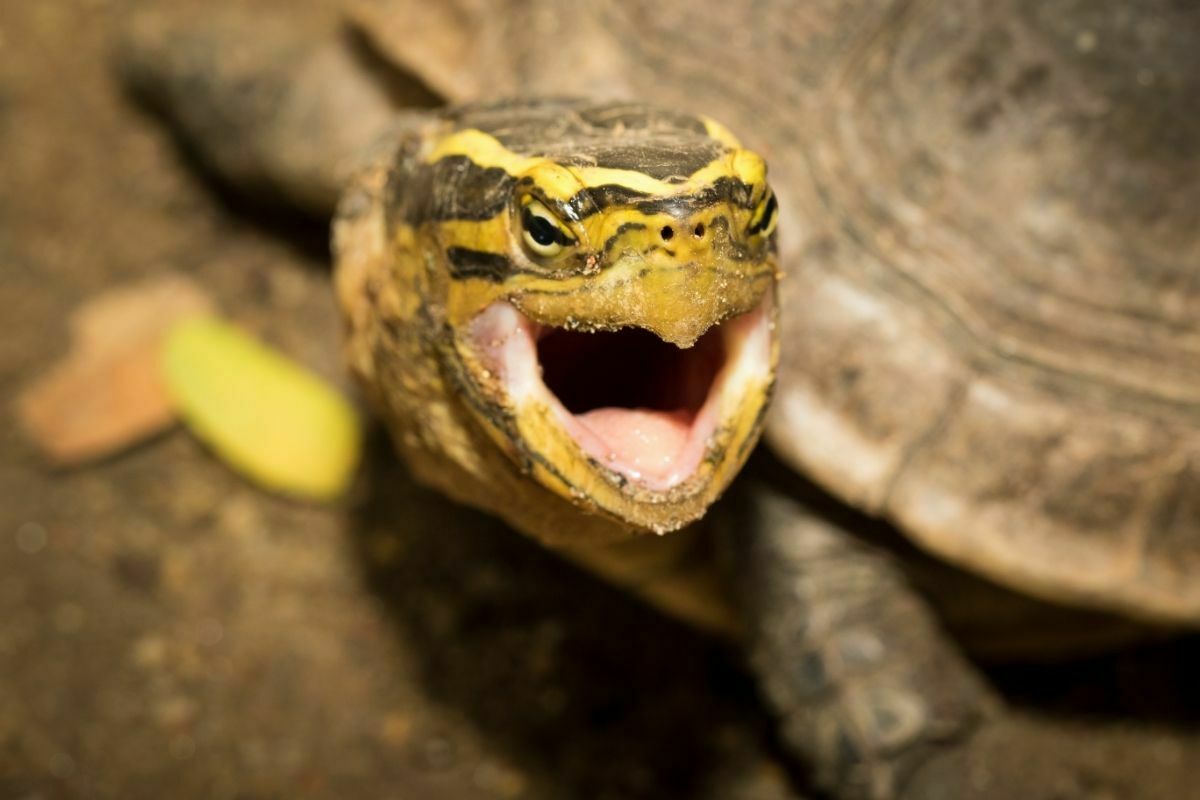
[[426, 240], [851, 661]]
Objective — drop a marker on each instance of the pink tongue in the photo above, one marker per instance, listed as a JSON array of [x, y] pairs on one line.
[[644, 441]]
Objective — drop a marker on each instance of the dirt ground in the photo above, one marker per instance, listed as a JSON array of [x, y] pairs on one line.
[[167, 630]]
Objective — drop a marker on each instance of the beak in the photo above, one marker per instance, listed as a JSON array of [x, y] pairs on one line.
[[676, 301]]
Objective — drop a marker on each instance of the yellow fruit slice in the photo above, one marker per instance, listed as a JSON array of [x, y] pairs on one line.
[[269, 418]]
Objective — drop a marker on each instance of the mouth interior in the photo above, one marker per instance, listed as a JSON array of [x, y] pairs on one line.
[[629, 369], [642, 407], [638, 396]]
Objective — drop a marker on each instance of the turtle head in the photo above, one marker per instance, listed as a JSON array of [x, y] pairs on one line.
[[611, 311]]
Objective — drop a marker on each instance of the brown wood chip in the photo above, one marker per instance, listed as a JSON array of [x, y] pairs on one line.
[[107, 393]]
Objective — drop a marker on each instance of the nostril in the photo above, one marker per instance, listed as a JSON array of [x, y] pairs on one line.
[[667, 233], [699, 231]]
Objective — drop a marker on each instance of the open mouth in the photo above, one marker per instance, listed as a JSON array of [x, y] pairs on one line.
[[642, 407]]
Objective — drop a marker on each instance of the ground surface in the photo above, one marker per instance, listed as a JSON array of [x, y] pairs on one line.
[[167, 630]]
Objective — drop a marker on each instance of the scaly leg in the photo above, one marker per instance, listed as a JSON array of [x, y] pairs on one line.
[[872, 697]]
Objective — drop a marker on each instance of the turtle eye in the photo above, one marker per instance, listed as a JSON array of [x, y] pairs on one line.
[[542, 232], [763, 222]]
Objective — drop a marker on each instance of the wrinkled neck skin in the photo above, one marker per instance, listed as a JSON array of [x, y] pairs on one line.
[[451, 367]]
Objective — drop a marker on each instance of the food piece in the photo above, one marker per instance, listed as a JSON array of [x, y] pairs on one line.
[[269, 418]]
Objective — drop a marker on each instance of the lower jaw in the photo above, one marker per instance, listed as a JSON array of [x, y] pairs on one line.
[[686, 456]]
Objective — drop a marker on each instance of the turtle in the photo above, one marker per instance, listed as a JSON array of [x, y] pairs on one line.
[[936, 254]]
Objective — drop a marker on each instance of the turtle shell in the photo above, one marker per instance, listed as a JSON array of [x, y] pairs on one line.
[[989, 232]]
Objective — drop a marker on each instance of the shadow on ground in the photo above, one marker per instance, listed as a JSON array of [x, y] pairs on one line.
[[565, 653]]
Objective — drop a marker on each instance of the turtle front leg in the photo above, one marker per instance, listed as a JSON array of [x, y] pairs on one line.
[[866, 687], [871, 696]]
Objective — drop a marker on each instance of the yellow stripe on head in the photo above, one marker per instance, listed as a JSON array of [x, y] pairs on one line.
[[484, 150], [722, 134], [558, 182]]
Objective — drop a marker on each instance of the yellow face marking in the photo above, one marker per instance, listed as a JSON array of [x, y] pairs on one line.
[[495, 235], [722, 134], [749, 167], [554, 180], [484, 150], [676, 286], [489, 235], [647, 292]]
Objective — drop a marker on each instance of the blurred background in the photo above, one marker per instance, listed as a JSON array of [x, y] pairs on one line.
[[169, 630]]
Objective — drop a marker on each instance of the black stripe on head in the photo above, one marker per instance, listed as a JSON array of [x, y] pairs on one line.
[[455, 187], [468, 263], [597, 198], [768, 214], [624, 228]]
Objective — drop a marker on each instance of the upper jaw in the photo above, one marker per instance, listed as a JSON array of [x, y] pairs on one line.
[[625, 421], [678, 302]]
